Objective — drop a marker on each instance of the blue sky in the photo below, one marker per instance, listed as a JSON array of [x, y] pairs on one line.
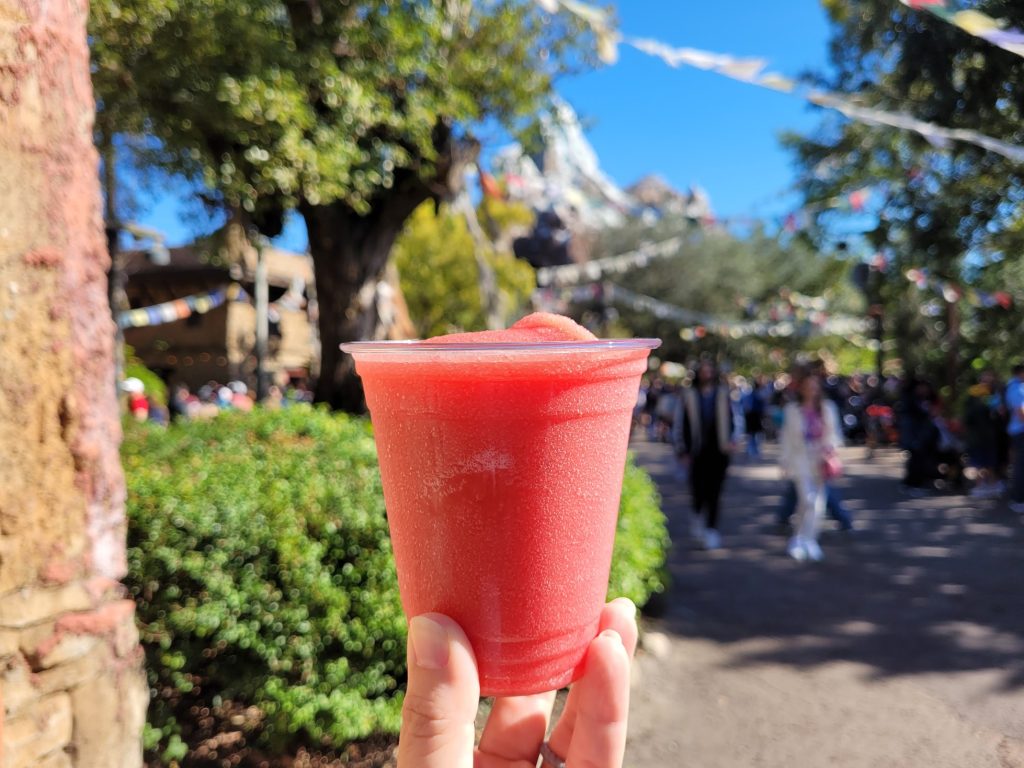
[[686, 125], [692, 126]]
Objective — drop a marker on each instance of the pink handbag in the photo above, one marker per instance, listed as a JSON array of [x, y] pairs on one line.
[[831, 467]]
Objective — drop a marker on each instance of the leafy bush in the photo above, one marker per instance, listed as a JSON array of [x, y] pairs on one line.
[[641, 541], [262, 569], [260, 562]]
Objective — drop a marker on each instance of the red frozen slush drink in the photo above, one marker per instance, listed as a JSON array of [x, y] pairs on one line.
[[501, 455]]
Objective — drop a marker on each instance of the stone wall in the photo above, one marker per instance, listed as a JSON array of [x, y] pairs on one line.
[[72, 691]]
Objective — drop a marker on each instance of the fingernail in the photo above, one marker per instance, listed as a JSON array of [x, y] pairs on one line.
[[429, 643], [630, 603], [611, 634]]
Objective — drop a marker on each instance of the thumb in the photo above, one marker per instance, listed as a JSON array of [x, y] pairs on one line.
[[442, 697]]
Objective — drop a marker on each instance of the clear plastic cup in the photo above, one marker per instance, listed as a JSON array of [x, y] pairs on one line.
[[502, 467]]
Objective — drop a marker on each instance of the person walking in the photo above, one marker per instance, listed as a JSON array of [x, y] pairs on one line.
[[1015, 406], [754, 405], [981, 424], [810, 441], [650, 414], [702, 432], [920, 436], [833, 506]]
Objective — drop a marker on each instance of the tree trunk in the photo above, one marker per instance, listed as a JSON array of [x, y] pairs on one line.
[[350, 253], [116, 280]]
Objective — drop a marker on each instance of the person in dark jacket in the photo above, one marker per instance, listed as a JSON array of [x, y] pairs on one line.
[[702, 432], [919, 435], [982, 424], [755, 402]]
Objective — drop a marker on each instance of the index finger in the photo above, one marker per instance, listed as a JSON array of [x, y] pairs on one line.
[[620, 616], [599, 732], [515, 729]]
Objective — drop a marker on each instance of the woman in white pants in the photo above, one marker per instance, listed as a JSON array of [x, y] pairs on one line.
[[810, 439]]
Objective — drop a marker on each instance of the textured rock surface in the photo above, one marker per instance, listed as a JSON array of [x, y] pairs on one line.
[[71, 688]]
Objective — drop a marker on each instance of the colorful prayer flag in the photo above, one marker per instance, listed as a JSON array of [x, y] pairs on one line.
[[170, 311], [973, 22]]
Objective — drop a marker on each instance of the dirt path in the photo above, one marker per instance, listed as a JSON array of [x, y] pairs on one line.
[[904, 648]]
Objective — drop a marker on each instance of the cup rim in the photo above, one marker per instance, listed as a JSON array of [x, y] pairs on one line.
[[589, 345]]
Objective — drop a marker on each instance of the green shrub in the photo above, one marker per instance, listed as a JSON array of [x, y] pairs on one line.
[[261, 566], [260, 561], [641, 541]]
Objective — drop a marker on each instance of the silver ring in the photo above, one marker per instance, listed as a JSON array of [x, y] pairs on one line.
[[550, 757]]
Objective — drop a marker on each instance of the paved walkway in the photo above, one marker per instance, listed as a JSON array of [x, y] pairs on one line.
[[904, 648]]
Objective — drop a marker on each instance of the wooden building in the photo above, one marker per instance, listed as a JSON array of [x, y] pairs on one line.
[[219, 344]]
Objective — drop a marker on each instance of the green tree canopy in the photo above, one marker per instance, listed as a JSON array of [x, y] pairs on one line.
[[955, 210], [353, 113], [717, 273]]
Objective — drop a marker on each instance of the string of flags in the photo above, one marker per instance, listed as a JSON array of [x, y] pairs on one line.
[[995, 31], [850, 328], [802, 218], [753, 71], [802, 323], [179, 309], [936, 135], [951, 292], [787, 305], [750, 70], [806, 316], [852, 331], [616, 294], [592, 271]]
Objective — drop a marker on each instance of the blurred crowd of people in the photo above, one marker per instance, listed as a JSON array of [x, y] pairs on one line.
[[974, 445], [981, 446], [207, 401]]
